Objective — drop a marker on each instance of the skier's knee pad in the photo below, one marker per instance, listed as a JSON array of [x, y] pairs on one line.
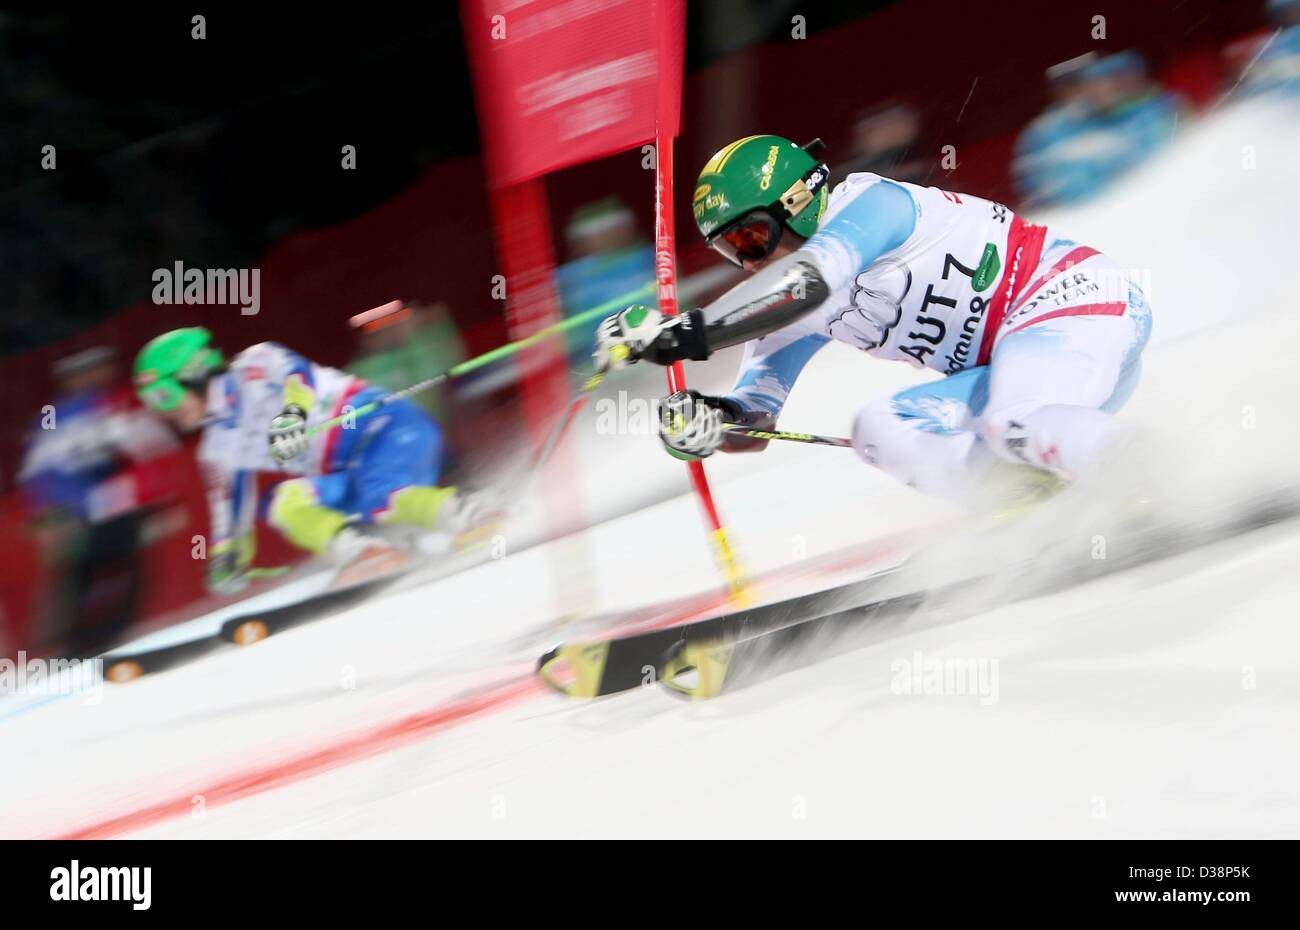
[[1004, 432], [1064, 438], [297, 513], [876, 429]]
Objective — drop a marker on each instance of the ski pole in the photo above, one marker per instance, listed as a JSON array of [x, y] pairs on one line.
[[579, 400], [724, 554], [267, 571], [487, 358], [808, 438]]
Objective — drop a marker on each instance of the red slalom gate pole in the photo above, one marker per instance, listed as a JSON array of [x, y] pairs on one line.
[[666, 279]]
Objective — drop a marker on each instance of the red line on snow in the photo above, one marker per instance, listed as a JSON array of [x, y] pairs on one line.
[[407, 729], [382, 738], [314, 762]]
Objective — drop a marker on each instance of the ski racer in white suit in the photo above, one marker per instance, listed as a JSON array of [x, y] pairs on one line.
[[1039, 337]]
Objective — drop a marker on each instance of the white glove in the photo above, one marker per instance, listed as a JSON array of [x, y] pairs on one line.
[[690, 425], [621, 338], [288, 434]]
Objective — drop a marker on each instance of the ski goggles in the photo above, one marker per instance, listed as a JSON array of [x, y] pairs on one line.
[[751, 237], [158, 394]]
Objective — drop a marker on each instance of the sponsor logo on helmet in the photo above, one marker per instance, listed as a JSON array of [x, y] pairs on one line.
[[711, 202], [773, 153], [817, 177], [145, 378]]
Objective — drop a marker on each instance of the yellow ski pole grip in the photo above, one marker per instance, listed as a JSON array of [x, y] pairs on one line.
[[618, 353]]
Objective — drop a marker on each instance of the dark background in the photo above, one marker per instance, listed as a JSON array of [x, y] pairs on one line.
[[212, 151]]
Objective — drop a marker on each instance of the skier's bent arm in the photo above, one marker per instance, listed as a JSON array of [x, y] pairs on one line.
[[768, 371], [287, 432], [693, 425], [774, 298], [864, 229], [782, 335], [868, 226]]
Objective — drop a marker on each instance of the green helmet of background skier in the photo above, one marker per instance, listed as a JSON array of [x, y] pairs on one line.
[[173, 363], [754, 188]]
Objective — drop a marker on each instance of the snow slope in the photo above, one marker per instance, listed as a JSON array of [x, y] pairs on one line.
[[1157, 702]]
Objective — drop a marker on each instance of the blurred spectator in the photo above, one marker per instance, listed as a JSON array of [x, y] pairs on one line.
[[402, 343], [92, 468], [884, 142], [1270, 61], [1062, 119], [1106, 117], [608, 259]]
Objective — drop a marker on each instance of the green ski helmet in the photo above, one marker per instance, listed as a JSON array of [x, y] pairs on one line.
[[171, 363], [749, 189]]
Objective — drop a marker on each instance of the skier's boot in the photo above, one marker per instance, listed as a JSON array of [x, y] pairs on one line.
[[471, 517], [1014, 490], [362, 557]]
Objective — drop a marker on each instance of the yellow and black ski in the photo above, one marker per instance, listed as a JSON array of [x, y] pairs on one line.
[[594, 668], [707, 657], [704, 666]]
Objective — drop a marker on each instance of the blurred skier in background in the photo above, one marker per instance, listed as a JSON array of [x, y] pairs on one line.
[[885, 141], [1062, 120], [1108, 117], [1039, 337], [93, 467], [1270, 62], [257, 413], [608, 258], [400, 343]]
